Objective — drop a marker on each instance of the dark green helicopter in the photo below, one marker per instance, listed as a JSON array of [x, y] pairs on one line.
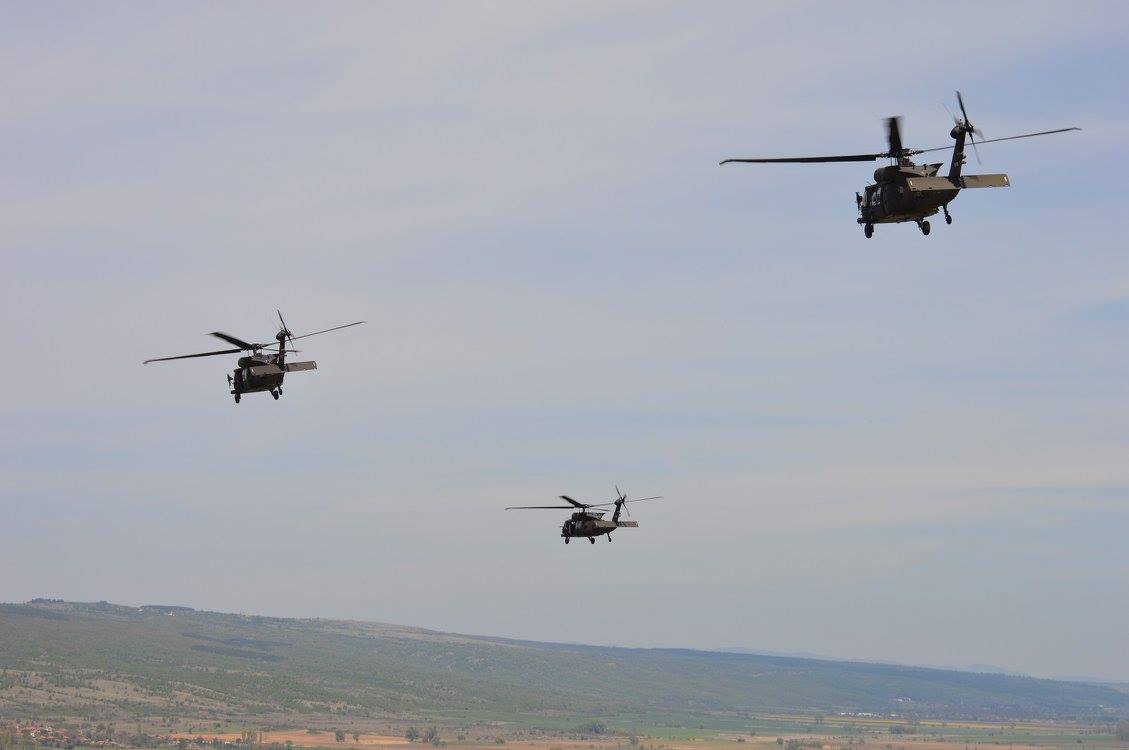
[[262, 370], [589, 523], [904, 191]]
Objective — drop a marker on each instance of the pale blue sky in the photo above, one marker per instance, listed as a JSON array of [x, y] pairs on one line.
[[906, 448]]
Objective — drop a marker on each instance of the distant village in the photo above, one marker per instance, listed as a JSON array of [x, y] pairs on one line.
[[34, 734]]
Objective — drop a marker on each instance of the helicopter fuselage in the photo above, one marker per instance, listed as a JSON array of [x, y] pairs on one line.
[[896, 196], [258, 373], [591, 525]]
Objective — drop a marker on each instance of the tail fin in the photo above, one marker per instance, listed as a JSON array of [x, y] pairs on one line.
[[619, 500]]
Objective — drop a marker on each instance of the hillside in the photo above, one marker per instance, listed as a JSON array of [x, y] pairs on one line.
[[109, 661]]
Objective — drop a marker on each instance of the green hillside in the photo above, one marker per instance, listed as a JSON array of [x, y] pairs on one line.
[[108, 661]]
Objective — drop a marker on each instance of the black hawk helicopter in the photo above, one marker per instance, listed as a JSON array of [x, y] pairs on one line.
[[263, 369], [586, 522], [904, 191]]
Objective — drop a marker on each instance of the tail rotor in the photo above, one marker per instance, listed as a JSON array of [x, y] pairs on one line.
[[968, 127], [284, 334]]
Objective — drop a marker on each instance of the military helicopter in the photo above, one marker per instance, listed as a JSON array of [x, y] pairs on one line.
[[904, 191], [586, 522], [262, 369]]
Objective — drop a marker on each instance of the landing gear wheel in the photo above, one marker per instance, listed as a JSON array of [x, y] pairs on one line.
[[868, 230], [925, 228], [280, 391], [237, 398], [566, 540], [275, 394], [592, 539], [609, 537], [948, 219]]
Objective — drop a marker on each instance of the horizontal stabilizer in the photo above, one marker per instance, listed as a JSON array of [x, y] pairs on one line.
[[984, 180], [627, 524], [300, 366], [260, 370], [929, 184]]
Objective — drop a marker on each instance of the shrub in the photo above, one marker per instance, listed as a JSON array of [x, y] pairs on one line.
[[593, 727]]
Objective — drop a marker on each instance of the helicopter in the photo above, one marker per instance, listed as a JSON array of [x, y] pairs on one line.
[[589, 523], [905, 191], [262, 369]]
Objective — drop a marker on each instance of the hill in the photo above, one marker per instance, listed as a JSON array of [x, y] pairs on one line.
[[109, 661]]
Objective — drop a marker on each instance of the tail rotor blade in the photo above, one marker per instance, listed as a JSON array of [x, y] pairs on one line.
[[960, 101], [285, 328]]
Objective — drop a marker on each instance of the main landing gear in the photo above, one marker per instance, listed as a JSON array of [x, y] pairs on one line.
[[566, 540], [592, 539], [948, 217], [275, 393], [868, 230], [237, 398], [924, 226]]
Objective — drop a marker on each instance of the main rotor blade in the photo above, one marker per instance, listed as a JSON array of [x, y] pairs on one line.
[[894, 134], [575, 503], [234, 341], [539, 507], [190, 356], [808, 159], [997, 140], [327, 330], [637, 500]]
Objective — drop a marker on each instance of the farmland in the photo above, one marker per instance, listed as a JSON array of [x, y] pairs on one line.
[[182, 674]]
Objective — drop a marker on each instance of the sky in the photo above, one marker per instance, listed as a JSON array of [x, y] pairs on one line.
[[907, 448]]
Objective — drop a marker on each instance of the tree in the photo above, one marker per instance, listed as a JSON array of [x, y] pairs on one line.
[[339, 735], [412, 734], [356, 736], [431, 736]]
